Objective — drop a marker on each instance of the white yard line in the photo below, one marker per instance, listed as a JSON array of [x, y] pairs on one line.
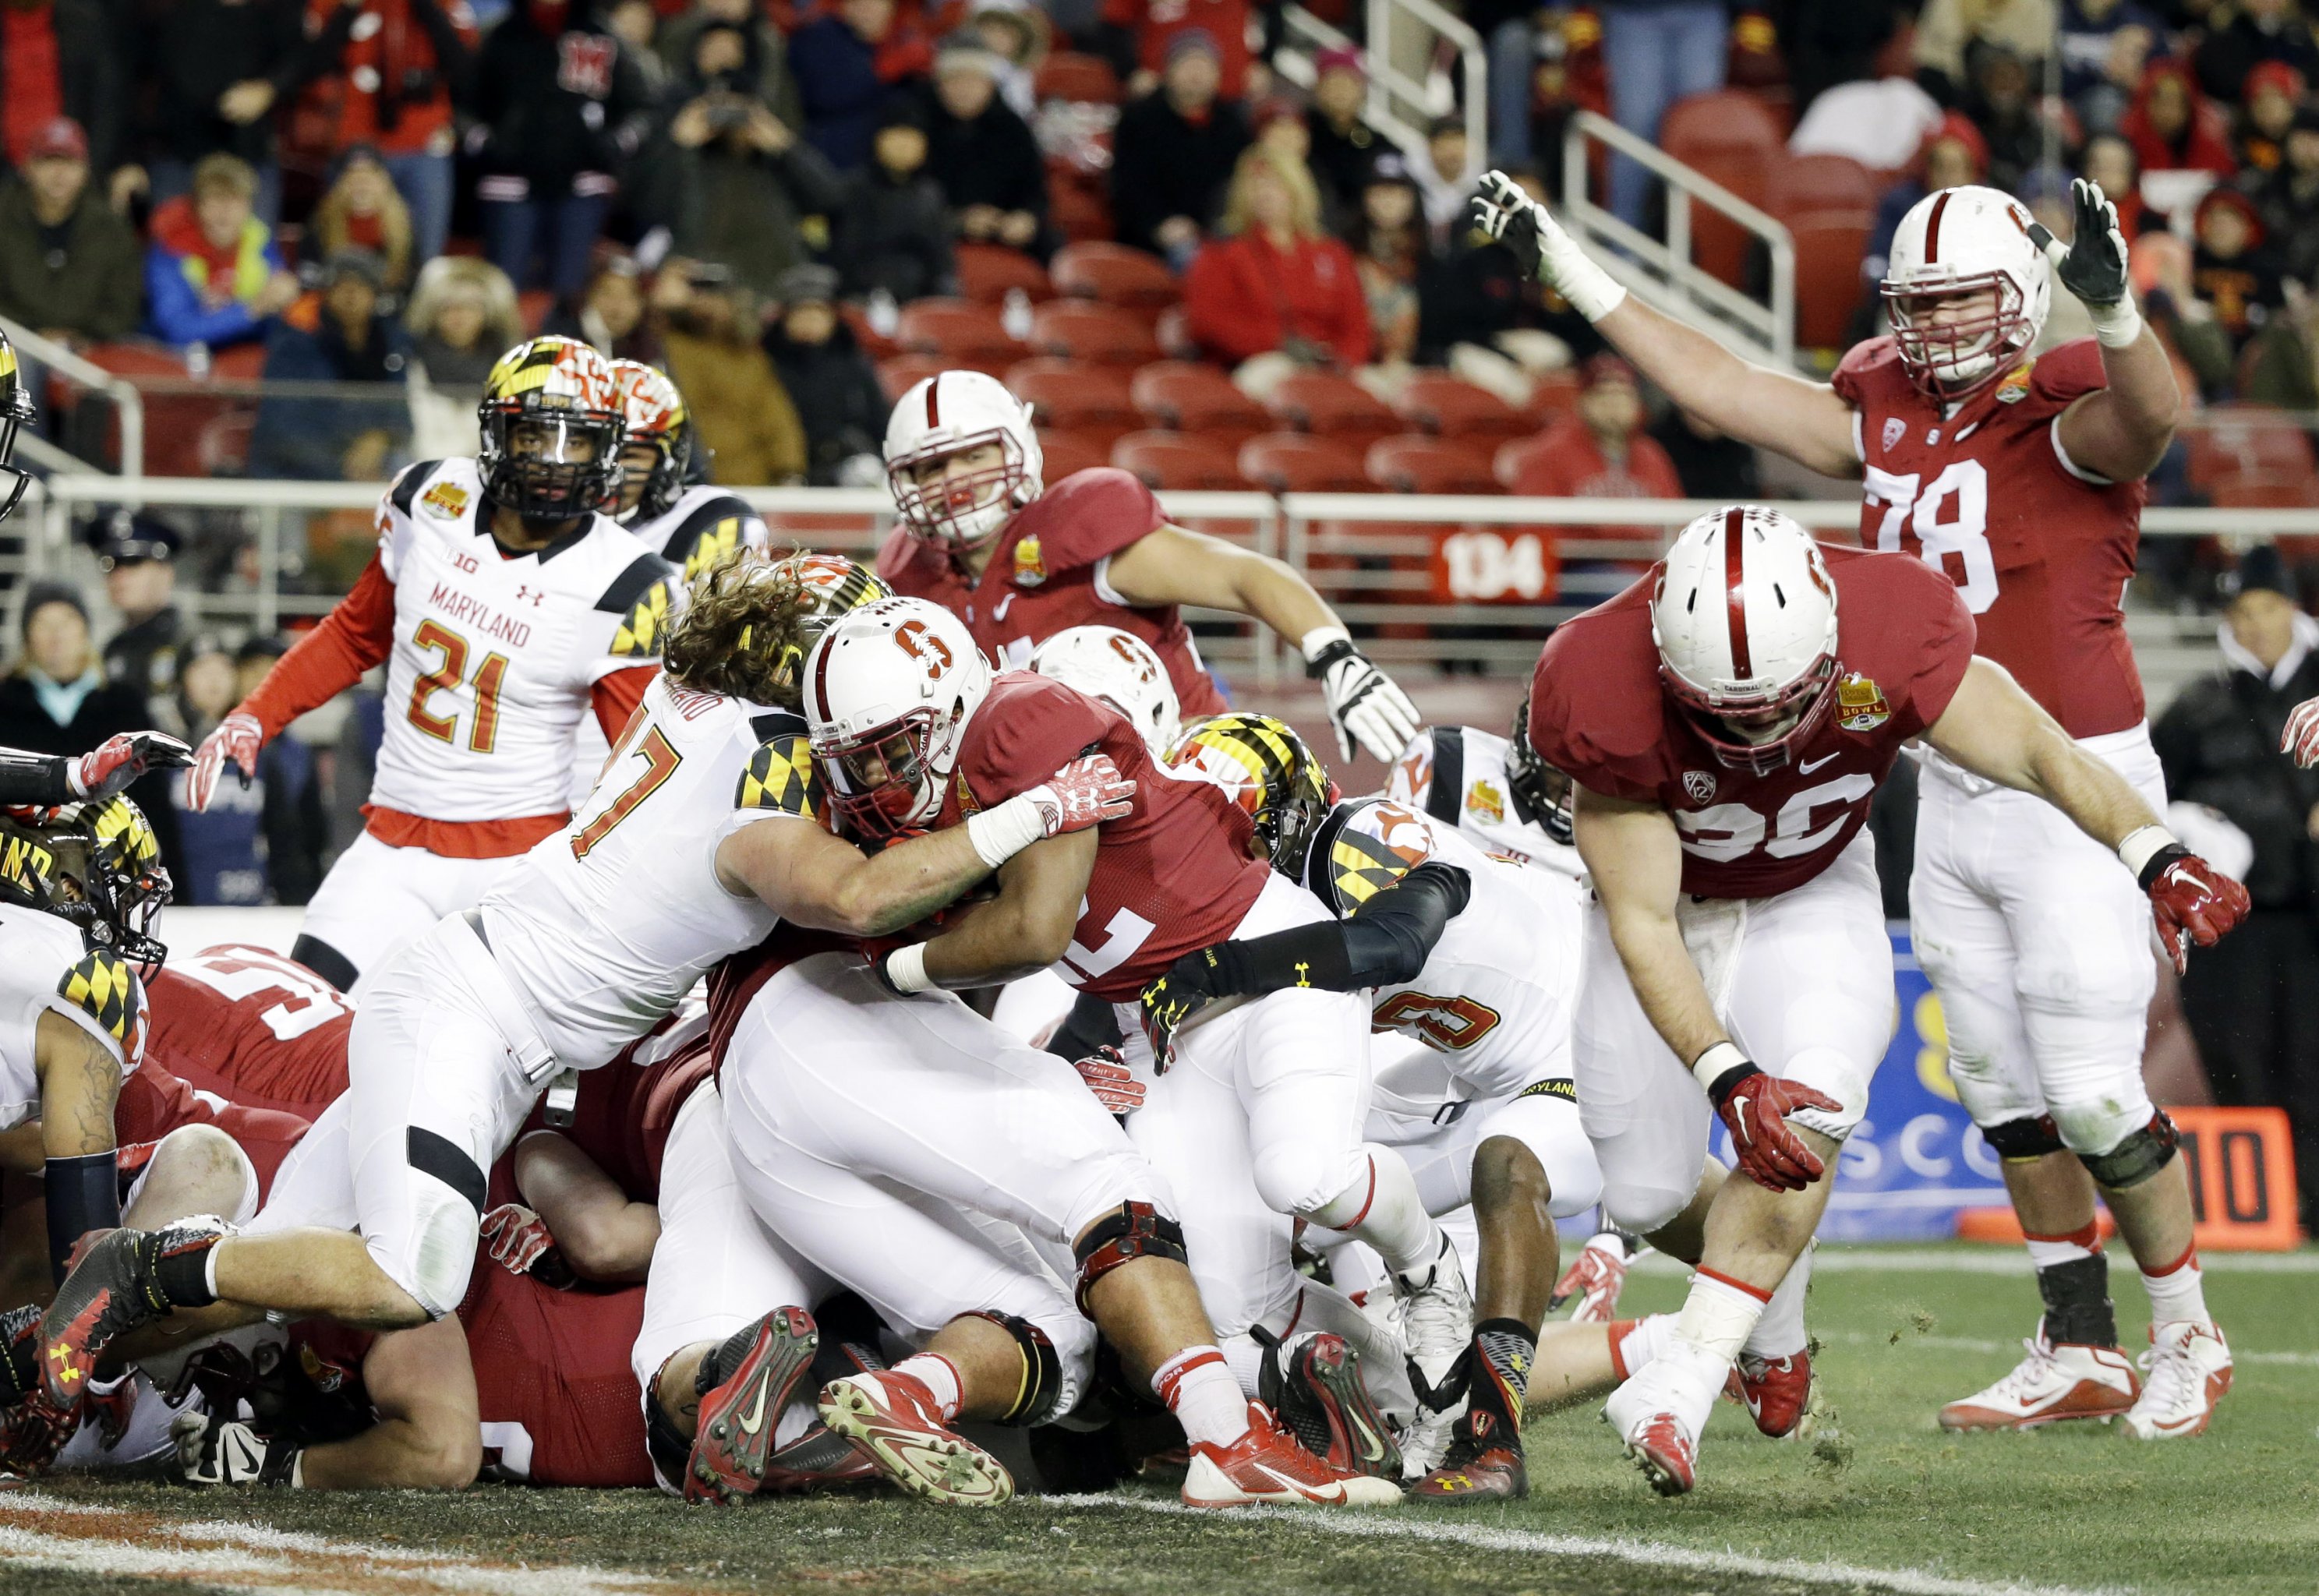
[[1377, 1526], [1836, 1257]]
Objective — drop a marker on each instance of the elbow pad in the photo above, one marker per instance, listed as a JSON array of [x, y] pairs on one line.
[[84, 1195]]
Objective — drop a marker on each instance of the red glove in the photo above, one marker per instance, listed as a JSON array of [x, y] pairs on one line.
[[119, 761], [1754, 1108], [2187, 893], [1107, 1075], [2302, 736], [1085, 792], [517, 1236], [237, 737]]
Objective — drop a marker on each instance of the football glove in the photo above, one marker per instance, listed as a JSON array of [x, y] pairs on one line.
[[215, 1450], [1504, 211], [1107, 1075], [1364, 705], [1085, 792], [2093, 265], [520, 1242], [1188, 987], [117, 761], [2186, 894], [1754, 1108], [2301, 738], [238, 738]]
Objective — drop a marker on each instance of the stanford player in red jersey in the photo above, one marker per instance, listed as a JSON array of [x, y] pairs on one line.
[[983, 535], [2019, 476], [252, 1027], [1726, 723]]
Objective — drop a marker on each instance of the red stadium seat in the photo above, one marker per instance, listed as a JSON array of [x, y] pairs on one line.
[[1068, 75], [903, 372], [1116, 275], [1299, 463], [2246, 441], [1069, 452], [1185, 396], [1091, 400], [1079, 213], [1829, 202], [1552, 395], [874, 344], [1519, 463], [985, 272], [2264, 490], [1452, 407], [1176, 460], [1104, 335], [1330, 406], [243, 363], [1730, 138], [959, 330], [1417, 463]]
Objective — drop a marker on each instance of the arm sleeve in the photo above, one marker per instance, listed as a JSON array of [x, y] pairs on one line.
[[615, 697], [1092, 1023], [356, 634], [84, 1195], [33, 777], [1386, 940]]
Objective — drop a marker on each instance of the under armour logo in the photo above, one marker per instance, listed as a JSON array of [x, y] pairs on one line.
[[1301, 967], [524, 591]]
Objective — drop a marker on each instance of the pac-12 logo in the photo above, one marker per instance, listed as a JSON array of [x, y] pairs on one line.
[[1699, 785], [922, 645]]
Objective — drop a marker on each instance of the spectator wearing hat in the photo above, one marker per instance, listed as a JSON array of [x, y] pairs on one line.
[[1444, 175], [1343, 147], [2253, 1001], [1140, 37], [1173, 152], [2172, 127], [362, 210], [68, 265], [893, 225], [463, 315], [2267, 107], [2287, 201], [212, 273], [1016, 34], [1953, 154], [985, 156], [341, 335], [217, 71], [139, 557], [1601, 451], [849, 61], [2229, 268], [2258, 31], [829, 381], [1658, 52], [764, 55], [57, 700], [741, 414], [1274, 292]]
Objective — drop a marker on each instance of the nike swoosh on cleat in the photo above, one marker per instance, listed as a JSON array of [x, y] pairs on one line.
[[754, 1419]]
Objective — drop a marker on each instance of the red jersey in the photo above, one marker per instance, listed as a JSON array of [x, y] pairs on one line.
[[2042, 553], [1597, 710], [153, 1102], [1049, 572], [252, 1027], [1172, 877], [625, 1110]]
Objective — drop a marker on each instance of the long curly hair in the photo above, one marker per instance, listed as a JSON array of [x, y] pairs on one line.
[[743, 633]]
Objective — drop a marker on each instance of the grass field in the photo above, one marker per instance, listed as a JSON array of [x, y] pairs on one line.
[[1884, 1503]]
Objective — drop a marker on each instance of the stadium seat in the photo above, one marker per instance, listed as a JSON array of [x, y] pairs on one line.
[[1103, 335], [2246, 441], [1553, 395], [1829, 202], [1452, 407], [1519, 463], [1730, 138], [1066, 452], [1174, 331], [876, 345], [1078, 213], [243, 363], [959, 330], [1299, 463], [1416, 464], [1115, 274], [1185, 396], [1330, 406], [1091, 400], [985, 272], [897, 375], [1069, 75], [2264, 490], [1178, 460]]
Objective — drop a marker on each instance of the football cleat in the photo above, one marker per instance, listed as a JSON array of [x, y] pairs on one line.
[[109, 1293], [1666, 1453], [2189, 1365], [1660, 1412], [818, 1460], [1481, 1465], [2056, 1382], [893, 1419], [1314, 1384], [1778, 1392], [1267, 1465], [735, 1438], [1595, 1277], [1436, 1324]]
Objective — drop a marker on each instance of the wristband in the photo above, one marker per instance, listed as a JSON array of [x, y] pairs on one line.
[[905, 970], [2142, 845], [2115, 326], [999, 834], [1720, 1067], [1572, 272]]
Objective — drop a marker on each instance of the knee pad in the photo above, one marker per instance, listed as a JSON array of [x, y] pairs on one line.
[[1137, 1230], [2019, 1141], [1301, 1178], [1826, 1070], [1039, 1390], [2144, 1152], [1642, 1209]]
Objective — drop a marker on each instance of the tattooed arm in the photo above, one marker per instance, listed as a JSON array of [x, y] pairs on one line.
[[79, 1079]]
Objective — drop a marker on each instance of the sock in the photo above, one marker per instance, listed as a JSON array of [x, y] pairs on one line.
[[940, 1376], [1780, 1332], [1718, 1314], [1382, 1208], [184, 1266], [1199, 1388], [1244, 1355], [1504, 1350], [2073, 1279], [2178, 1290], [1634, 1342]]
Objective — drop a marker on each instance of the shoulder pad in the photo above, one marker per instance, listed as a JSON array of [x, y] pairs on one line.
[[644, 593], [405, 491], [1866, 366], [103, 986], [2069, 370], [782, 775], [1376, 843], [708, 533]]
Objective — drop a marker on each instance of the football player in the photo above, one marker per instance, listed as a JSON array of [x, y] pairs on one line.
[[1726, 721], [702, 836], [664, 495], [505, 608], [1472, 963], [2019, 476], [983, 535]]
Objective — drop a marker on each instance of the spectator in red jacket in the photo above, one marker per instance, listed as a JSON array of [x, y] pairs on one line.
[[1275, 283], [2171, 126], [1599, 450]]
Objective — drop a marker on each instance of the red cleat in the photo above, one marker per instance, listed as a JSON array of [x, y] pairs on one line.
[[1267, 1465], [734, 1441], [1316, 1389], [894, 1422], [1778, 1392], [1668, 1457]]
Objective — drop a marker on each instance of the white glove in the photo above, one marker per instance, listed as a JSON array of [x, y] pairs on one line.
[[1364, 705], [218, 1451], [2301, 738], [517, 1237], [1505, 212]]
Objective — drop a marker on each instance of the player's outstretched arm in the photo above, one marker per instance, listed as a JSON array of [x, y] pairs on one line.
[[2120, 432], [1170, 565], [1806, 421], [1995, 730], [428, 1435], [80, 1081]]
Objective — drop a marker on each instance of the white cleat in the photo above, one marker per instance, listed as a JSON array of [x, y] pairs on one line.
[[2052, 1384], [2190, 1368], [1437, 1325], [1660, 1411]]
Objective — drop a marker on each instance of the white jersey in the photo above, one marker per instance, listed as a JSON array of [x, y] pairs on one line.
[[1457, 775], [45, 965], [603, 927], [1496, 996], [495, 658]]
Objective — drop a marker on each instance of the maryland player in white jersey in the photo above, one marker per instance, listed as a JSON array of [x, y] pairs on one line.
[[506, 608], [703, 834], [1494, 788]]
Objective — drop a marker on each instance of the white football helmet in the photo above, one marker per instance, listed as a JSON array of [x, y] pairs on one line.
[[1121, 670], [947, 414], [1960, 241], [1743, 616], [888, 691]]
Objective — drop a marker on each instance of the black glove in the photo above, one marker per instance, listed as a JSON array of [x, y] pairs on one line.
[[1190, 985], [2093, 266]]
